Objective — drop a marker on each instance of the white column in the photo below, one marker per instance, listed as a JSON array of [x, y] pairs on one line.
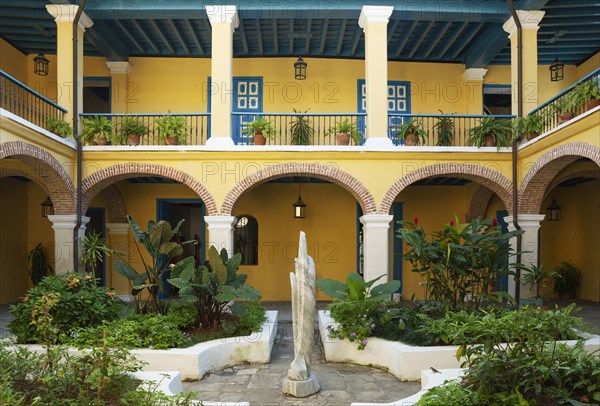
[[530, 224], [64, 15], [119, 75], [118, 239], [375, 245], [223, 20], [530, 23], [373, 20], [220, 232], [474, 89], [63, 226]]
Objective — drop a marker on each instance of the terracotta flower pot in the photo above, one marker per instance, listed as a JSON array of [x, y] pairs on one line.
[[411, 139], [133, 139], [564, 117], [489, 141], [593, 103], [342, 139], [171, 140], [101, 140], [259, 139], [531, 135]]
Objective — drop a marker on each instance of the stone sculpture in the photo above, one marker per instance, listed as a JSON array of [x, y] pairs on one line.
[[300, 381]]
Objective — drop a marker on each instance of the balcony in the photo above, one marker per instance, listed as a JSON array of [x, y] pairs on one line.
[[317, 129]]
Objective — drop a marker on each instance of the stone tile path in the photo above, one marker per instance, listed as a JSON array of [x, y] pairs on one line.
[[341, 384]]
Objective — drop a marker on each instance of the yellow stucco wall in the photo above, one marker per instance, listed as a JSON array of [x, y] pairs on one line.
[[330, 227], [21, 228], [575, 237], [13, 61], [588, 66], [13, 240]]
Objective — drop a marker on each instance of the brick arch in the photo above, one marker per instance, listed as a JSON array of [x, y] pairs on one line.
[[116, 206], [45, 170], [479, 203], [546, 168], [101, 179], [594, 174], [325, 172], [489, 178]]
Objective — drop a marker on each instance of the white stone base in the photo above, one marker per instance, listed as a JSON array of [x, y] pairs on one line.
[[301, 389]]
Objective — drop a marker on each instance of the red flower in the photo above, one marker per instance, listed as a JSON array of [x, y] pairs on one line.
[[451, 223], [416, 221], [494, 222]]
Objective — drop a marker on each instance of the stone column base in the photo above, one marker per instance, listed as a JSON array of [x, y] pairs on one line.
[[301, 389]]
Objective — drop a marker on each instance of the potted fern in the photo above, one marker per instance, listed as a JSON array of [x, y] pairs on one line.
[[172, 130], [589, 93], [132, 130], [490, 132], [344, 131], [59, 127], [531, 125], [39, 268], [567, 280], [97, 129], [444, 127], [260, 129], [412, 132], [566, 106], [301, 130]]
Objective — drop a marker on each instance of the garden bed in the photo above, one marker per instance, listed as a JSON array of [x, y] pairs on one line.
[[403, 360], [195, 361]]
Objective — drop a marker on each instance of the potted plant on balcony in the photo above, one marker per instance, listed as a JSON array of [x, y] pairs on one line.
[[490, 132], [566, 105], [567, 280], [444, 126], [172, 130], [97, 129], [59, 127], [132, 130], [301, 130], [589, 93], [344, 131], [531, 125], [260, 129], [412, 132]]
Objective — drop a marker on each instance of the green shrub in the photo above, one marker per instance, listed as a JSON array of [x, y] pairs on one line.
[[183, 314], [356, 305], [517, 355], [250, 316], [55, 378], [137, 331], [75, 302], [459, 264], [449, 394], [210, 287]]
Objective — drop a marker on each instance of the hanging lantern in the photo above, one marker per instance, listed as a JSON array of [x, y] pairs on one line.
[[47, 207], [557, 70], [300, 69], [553, 211], [40, 66], [299, 206]]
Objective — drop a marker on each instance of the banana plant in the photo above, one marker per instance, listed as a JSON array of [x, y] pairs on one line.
[[157, 241], [210, 287]]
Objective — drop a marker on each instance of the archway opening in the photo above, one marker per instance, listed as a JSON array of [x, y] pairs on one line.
[[22, 228], [432, 202], [574, 238], [331, 227]]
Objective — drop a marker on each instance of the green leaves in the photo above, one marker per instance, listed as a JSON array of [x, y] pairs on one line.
[[333, 288], [217, 265]]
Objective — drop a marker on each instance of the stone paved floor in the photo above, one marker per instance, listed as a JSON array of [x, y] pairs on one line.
[[341, 384]]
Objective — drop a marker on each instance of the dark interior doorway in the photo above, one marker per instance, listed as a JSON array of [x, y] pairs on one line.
[[96, 94], [96, 225]]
